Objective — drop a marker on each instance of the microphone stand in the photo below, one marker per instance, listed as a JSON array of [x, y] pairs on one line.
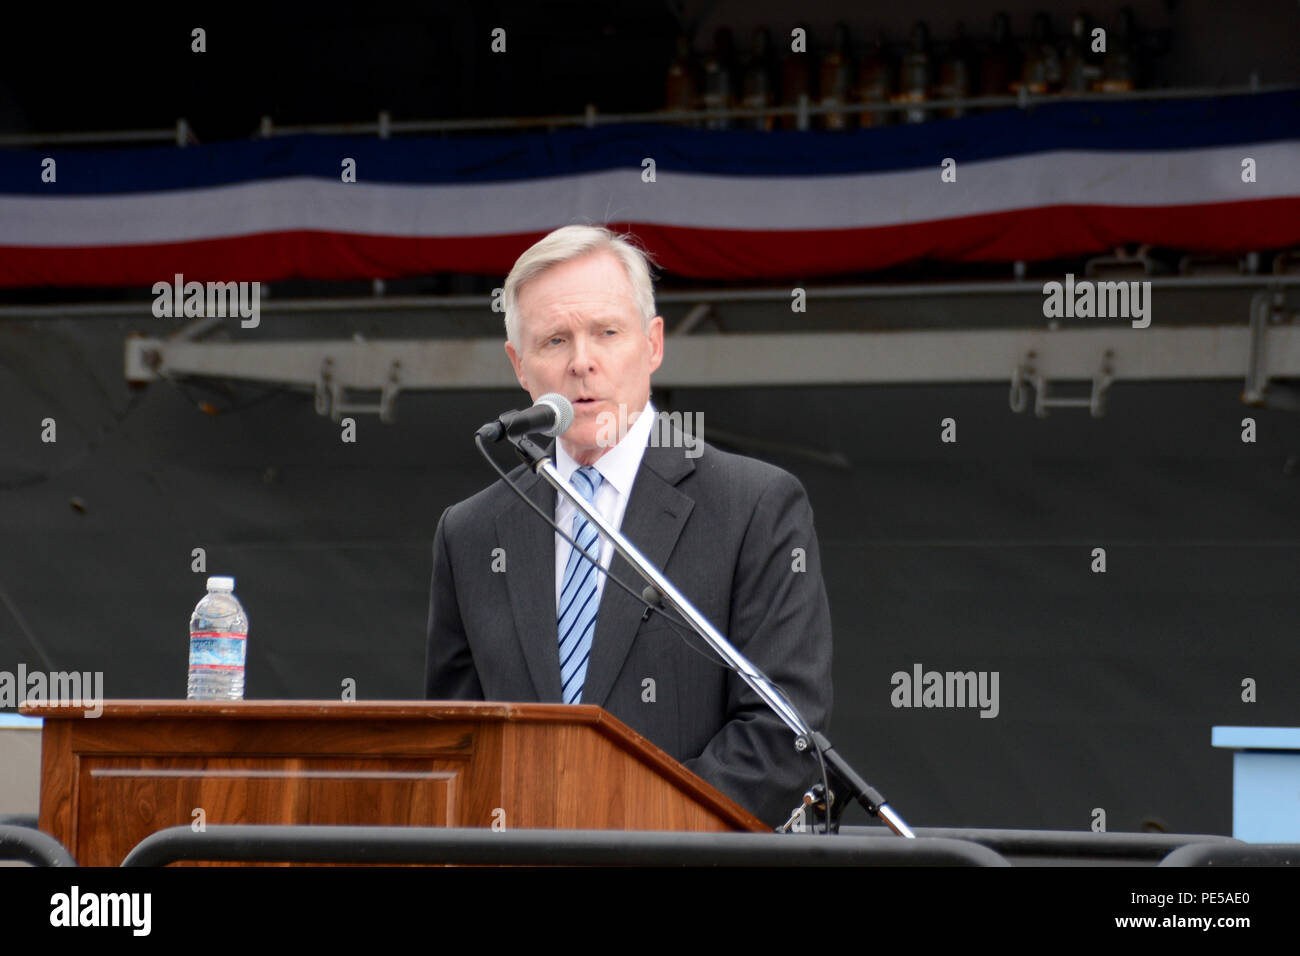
[[805, 736]]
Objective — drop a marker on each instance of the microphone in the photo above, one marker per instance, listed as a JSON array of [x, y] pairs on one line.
[[650, 594], [551, 415]]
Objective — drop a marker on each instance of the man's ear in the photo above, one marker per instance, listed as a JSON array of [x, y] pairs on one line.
[[656, 335], [519, 369]]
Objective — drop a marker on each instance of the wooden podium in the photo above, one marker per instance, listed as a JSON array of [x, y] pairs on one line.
[[143, 765]]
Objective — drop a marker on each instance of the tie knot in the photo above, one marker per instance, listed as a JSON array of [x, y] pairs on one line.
[[587, 480]]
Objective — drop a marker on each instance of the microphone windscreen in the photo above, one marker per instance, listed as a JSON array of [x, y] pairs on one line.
[[563, 412]]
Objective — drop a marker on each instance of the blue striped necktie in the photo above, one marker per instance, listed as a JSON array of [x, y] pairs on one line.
[[577, 620]]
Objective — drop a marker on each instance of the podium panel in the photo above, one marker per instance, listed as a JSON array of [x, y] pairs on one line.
[[108, 782]]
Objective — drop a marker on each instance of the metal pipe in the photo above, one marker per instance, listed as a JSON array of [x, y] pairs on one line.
[[33, 846], [698, 296], [483, 846], [372, 128]]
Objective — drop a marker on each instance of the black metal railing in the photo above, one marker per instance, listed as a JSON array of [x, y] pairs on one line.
[[353, 844], [30, 845]]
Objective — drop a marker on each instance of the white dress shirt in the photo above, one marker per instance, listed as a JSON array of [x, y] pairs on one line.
[[618, 468]]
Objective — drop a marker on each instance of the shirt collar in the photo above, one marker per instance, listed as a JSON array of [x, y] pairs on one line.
[[619, 464]]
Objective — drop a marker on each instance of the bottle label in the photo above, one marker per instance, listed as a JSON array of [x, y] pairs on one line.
[[217, 650]]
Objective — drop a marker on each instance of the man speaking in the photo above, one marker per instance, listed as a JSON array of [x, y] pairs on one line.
[[735, 535]]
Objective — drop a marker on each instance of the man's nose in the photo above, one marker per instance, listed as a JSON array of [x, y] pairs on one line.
[[581, 362]]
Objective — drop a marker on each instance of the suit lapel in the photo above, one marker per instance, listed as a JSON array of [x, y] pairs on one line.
[[655, 515], [530, 580], [653, 521]]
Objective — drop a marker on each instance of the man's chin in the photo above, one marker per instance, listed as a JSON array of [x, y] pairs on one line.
[[589, 441]]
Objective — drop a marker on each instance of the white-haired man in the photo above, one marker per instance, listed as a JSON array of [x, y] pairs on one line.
[[734, 534]]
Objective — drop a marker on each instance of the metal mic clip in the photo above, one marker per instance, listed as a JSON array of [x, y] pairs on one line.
[[650, 594], [496, 430]]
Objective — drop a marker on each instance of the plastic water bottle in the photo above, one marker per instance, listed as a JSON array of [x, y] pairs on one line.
[[218, 644]]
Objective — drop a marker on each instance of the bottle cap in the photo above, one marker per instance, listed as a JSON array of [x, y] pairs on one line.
[[226, 584]]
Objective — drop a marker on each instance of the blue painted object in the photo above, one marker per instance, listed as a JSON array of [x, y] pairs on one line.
[[10, 721], [1265, 782]]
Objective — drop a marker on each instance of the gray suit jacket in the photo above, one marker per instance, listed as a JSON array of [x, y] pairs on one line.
[[724, 529]]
